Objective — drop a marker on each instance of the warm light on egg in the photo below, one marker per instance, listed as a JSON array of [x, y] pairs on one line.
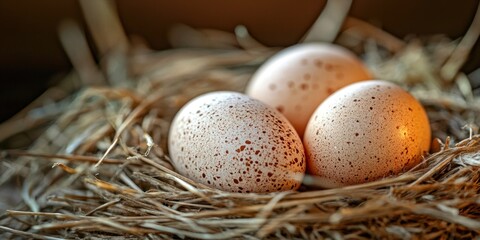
[[365, 131], [403, 131]]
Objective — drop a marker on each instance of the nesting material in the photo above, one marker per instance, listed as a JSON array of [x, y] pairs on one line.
[[96, 165]]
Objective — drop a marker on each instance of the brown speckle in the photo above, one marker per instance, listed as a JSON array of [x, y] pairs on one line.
[[307, 76], [330, 90], [328, 67], [240, 149], [280, 109], [304, 86], [208, 154]]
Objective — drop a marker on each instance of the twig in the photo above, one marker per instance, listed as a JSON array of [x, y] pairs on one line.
[[461, 52], [366, 30], [75, 44], [73, 158], [328, 24], [139, 110], [28, 234], [104, 24], [246, 40]]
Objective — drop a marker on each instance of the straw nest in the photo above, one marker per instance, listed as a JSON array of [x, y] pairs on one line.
[[96, 164]]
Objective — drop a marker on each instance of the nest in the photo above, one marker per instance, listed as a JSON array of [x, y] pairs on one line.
[[96, 164]]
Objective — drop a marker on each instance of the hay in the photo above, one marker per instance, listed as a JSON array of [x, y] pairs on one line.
[[97, 165]]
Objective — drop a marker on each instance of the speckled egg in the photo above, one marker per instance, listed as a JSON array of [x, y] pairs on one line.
[[364, 132], [299, 78], [231, 142]]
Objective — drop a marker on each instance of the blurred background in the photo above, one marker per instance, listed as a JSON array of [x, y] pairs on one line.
[[32, 59]]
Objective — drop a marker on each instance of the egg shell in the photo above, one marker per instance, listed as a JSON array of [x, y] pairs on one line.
[[364, 132], [296, 80], [231, 142]]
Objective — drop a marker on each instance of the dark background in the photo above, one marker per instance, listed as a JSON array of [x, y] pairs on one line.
[[31, 56]]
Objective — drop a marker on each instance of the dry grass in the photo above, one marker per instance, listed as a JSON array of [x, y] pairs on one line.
[[97, 165]]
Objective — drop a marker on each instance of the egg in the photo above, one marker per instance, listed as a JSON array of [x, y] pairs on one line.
[[296, 80], [365, 131], [231, 142]]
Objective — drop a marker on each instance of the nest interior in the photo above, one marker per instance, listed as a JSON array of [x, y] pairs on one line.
[[96, 164]]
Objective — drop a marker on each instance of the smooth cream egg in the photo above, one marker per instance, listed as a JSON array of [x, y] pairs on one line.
[[299, 78]]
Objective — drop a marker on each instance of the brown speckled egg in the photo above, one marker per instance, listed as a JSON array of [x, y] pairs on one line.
[[231, 142], [364, 132], [299, 78]]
